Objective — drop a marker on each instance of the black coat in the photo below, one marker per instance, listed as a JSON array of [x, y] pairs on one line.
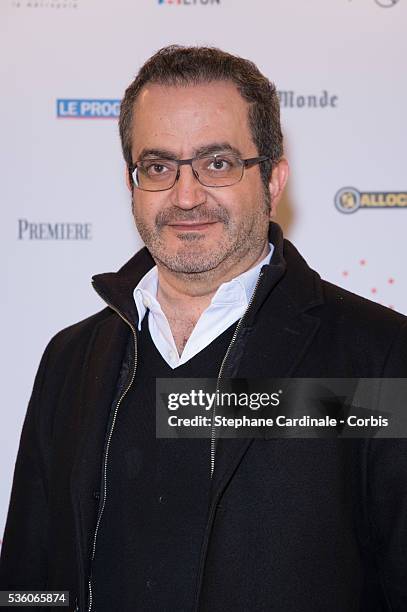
[[294, 525]]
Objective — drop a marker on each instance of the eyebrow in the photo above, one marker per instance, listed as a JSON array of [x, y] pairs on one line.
[[209, 149]]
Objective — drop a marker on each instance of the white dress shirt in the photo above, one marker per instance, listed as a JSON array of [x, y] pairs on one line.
[[227, 306]]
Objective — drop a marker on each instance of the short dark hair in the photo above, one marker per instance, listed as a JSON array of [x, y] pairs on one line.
[[179, 65]]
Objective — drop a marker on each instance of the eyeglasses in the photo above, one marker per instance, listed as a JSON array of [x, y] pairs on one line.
[[219, 170]]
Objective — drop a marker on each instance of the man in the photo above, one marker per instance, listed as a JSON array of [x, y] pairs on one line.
[[123, 521]]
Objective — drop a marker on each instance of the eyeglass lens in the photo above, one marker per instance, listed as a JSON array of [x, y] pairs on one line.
[[211, 171]]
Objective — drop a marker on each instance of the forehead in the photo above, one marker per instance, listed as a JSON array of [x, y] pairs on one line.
[[184, 118]]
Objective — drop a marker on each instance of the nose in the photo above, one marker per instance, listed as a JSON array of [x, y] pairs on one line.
[[187, 192]]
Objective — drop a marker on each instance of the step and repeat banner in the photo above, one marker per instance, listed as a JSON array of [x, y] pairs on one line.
[[339, 67]]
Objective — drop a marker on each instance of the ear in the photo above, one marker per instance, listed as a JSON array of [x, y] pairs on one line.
[[128, 179], [277, 184]]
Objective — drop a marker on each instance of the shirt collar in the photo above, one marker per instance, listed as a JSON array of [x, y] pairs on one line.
[[145, 293], [237, 291], [241, 288]]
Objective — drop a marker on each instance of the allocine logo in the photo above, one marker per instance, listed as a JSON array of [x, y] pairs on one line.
[[87, 108], [349, 200], [39, 230], [292, 99], [190, 2]]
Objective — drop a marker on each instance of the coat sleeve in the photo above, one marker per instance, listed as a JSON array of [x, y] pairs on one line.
[[23, 562], [387, 489]]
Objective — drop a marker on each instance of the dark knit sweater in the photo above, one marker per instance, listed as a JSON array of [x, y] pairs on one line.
[[150, 536]]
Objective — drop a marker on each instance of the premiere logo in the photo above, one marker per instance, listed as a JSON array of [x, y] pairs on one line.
[[28, 230], [87, 109], [348, 199]]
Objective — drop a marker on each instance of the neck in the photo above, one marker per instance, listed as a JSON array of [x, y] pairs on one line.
[[184, 297], [192, 293]]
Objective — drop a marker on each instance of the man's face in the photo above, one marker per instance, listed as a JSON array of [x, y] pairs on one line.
[[191, 228]]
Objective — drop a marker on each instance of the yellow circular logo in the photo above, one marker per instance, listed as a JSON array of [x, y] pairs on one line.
[[347, 200]]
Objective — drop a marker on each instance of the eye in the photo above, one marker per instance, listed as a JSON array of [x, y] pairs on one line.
[[155, 168], [220, 163]]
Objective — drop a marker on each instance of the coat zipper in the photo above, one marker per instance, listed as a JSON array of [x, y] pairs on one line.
[[213, 440], [133, 329], [235, 334]]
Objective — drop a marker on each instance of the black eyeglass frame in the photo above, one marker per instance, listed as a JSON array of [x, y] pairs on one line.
[[246, 163]]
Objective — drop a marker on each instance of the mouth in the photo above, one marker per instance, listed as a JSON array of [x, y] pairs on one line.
[[184, 226]]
